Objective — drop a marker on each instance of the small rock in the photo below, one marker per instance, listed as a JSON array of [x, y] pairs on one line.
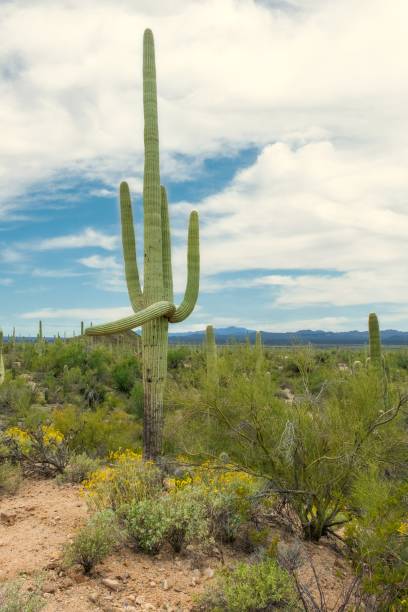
[[152, 583], [94, 597], [7, 519], [111, 584], [208, 573], [48, 587], [139, 600], [129, 609], [165, 585]]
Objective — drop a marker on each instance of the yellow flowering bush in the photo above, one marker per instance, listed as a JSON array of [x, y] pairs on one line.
[[41, 450], [226, 493], [126, 479]]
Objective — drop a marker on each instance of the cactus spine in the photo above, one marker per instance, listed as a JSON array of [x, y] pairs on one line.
[[153, 307], [375, 340], [212, 357], [2, 369]]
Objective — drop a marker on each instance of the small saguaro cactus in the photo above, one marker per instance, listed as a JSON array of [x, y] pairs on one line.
[[40, 331], [82, 328], [375, 340], [211, 357], [153, 307], [2, 369]]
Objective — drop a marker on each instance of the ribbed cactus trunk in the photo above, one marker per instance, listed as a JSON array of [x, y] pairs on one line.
[[153, 307], [375, 340], [82, 328]]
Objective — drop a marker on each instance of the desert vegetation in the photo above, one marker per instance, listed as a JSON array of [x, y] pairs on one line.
[[247, 458]]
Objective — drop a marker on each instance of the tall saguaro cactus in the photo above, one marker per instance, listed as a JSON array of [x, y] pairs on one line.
[[375, 340], [153, 307]]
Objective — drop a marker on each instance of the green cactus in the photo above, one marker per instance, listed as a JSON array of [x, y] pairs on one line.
[[375, 340], [82, 328], [2, 369], [14, 338], [211, 358], [40, 332], [153, 307]]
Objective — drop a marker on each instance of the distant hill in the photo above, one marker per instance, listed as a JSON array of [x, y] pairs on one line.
[[303, 336]]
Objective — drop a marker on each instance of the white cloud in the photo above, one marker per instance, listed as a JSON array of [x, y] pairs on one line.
[[79, 314], [71, 94], [98, 262], [87, 238]]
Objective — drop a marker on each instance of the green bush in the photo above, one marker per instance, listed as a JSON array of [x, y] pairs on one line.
[[78, 469], [125, 374], [97, 539], [186, 519], [10, 477], [14, 597], [378, 537], [137, 400], [250, 588], [147, 524], [128, 479]]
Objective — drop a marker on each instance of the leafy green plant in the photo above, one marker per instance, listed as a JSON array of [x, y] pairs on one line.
[[186, 519], [10, 477], [78, 469], [250, 588], [147, 524], [97, 539], [15, 597], [125, 374], [378, 537], [127, 480]]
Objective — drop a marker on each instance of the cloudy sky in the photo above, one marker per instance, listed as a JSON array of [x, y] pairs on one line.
[[284, 122]]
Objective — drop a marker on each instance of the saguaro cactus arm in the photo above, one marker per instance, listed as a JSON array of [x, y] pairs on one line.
[[129, 248], [154, 311], [193, 272]]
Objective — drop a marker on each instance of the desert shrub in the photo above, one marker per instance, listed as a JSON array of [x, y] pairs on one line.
[[137, 400], [309, 452], [14, 597], [176, 357], [94, 541], [16, 397], [378, 537], [224, 493], [42, 450], [125, 373], [147, 524], [10, 477], [127, 479], [250, 588], [78, 469], [97, 432], [186, 518]]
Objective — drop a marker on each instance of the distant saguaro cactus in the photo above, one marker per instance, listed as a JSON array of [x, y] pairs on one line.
[[40, 331], [211, 357], [2, 369], [153, 307], [82, 328], [375, 340]]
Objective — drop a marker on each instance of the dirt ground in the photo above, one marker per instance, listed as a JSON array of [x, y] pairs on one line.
[[35, 523]]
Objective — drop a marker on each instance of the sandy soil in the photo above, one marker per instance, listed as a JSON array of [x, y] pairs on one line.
[[35, 523]]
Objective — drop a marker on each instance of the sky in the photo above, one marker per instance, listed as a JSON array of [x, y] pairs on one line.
[[283, 122]]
